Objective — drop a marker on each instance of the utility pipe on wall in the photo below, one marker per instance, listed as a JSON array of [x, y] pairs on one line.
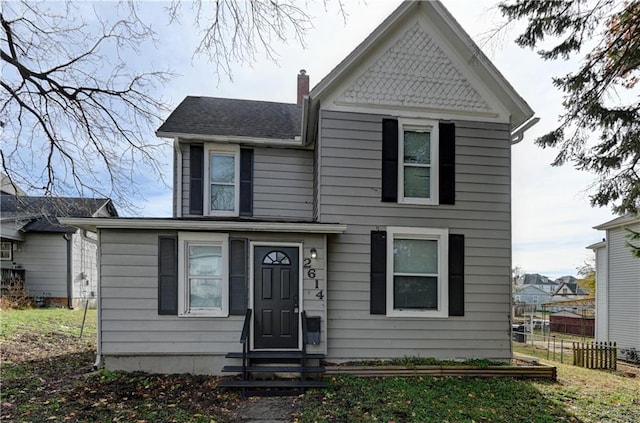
[[68, 238]]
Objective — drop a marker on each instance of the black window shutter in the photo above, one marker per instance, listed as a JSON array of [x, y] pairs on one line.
[[168, 274], [246, 182], [196, 179], [390, 160], [456, 275], [238, 276], [447, 153], [378, 289]]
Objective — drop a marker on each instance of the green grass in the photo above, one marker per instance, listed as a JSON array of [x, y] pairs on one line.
[[579, 395], [47, 375], [427, 399], [46, 320], [410, 361]]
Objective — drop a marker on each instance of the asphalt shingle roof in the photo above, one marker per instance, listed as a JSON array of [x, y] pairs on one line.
[[40, 213], [232, 117]]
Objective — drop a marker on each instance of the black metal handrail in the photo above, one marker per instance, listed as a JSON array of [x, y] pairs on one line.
[[304, 346], [244, 340]]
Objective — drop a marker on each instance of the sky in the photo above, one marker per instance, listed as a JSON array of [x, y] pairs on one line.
[[552, 218]]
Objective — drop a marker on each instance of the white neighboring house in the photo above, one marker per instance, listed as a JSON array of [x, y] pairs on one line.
[[618, 285]]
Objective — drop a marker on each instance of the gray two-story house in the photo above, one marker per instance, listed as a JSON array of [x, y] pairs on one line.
[[379, 206]]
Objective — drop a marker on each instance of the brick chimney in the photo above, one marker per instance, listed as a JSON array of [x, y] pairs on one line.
[[303, 85]]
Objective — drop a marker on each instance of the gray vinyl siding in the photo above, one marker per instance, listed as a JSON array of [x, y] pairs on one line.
[[624, 290], [44, 258], [130, 324], [177, 190], [84, 272], [282, 183], [349, 193], [185, 166], [129, 301], [602, 298]]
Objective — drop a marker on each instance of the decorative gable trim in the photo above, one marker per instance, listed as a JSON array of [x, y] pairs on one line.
[[504, 103], [415, 72]]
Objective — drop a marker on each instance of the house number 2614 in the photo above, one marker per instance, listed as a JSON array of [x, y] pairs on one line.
[[311, 274]]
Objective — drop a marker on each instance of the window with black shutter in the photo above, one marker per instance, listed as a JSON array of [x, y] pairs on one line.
[[418, 162], [168, 274], [417, 272]]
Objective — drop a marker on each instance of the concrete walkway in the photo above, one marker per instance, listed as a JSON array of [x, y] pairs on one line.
[[268, 410]]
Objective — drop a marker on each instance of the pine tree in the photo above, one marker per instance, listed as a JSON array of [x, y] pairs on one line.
[[600, 128]]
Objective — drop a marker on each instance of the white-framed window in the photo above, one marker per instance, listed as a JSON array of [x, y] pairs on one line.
[[222, 186], [6, 250], [418, 161], [203, 274], [417, 272]]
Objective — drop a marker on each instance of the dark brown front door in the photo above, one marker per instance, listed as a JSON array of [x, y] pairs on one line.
[[275, 300]]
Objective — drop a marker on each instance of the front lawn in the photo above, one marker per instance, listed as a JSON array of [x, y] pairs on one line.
[[47, 375]]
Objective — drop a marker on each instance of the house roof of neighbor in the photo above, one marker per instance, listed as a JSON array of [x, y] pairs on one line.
[[40, 214]]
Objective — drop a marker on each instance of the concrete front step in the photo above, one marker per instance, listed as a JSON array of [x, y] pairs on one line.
[[271, 369], [276, 355], [231, 383]]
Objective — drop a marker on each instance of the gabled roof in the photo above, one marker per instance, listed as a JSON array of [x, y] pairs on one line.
[[8, 187], [40, 214], [527, 290], [212, 116], [460, 82], [573, 288], [619, 221], [464, 80], [536, 279]]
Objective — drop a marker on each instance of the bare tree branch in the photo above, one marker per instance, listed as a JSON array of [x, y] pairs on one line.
[[77, 118]]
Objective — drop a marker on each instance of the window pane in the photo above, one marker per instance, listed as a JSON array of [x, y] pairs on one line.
[[415, 292], [5, 250], [205, 293], [276, 257], [415, 256], [223, 197], [205, 260], [223, 168], [417, 147], [417, 182]]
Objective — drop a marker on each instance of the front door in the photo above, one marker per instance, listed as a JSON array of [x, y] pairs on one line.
[[275, 299]]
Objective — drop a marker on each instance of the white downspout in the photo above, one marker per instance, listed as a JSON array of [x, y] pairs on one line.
[[98, 363]]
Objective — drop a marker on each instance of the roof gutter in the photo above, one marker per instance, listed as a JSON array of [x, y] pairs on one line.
[[95, 223], [517, 134], [283, 142]]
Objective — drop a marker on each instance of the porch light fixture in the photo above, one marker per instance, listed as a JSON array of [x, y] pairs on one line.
[[314, 253]]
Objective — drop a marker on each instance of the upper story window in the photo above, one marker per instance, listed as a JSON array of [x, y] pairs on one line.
[[418, 162], [222, 196], [417, 280]]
